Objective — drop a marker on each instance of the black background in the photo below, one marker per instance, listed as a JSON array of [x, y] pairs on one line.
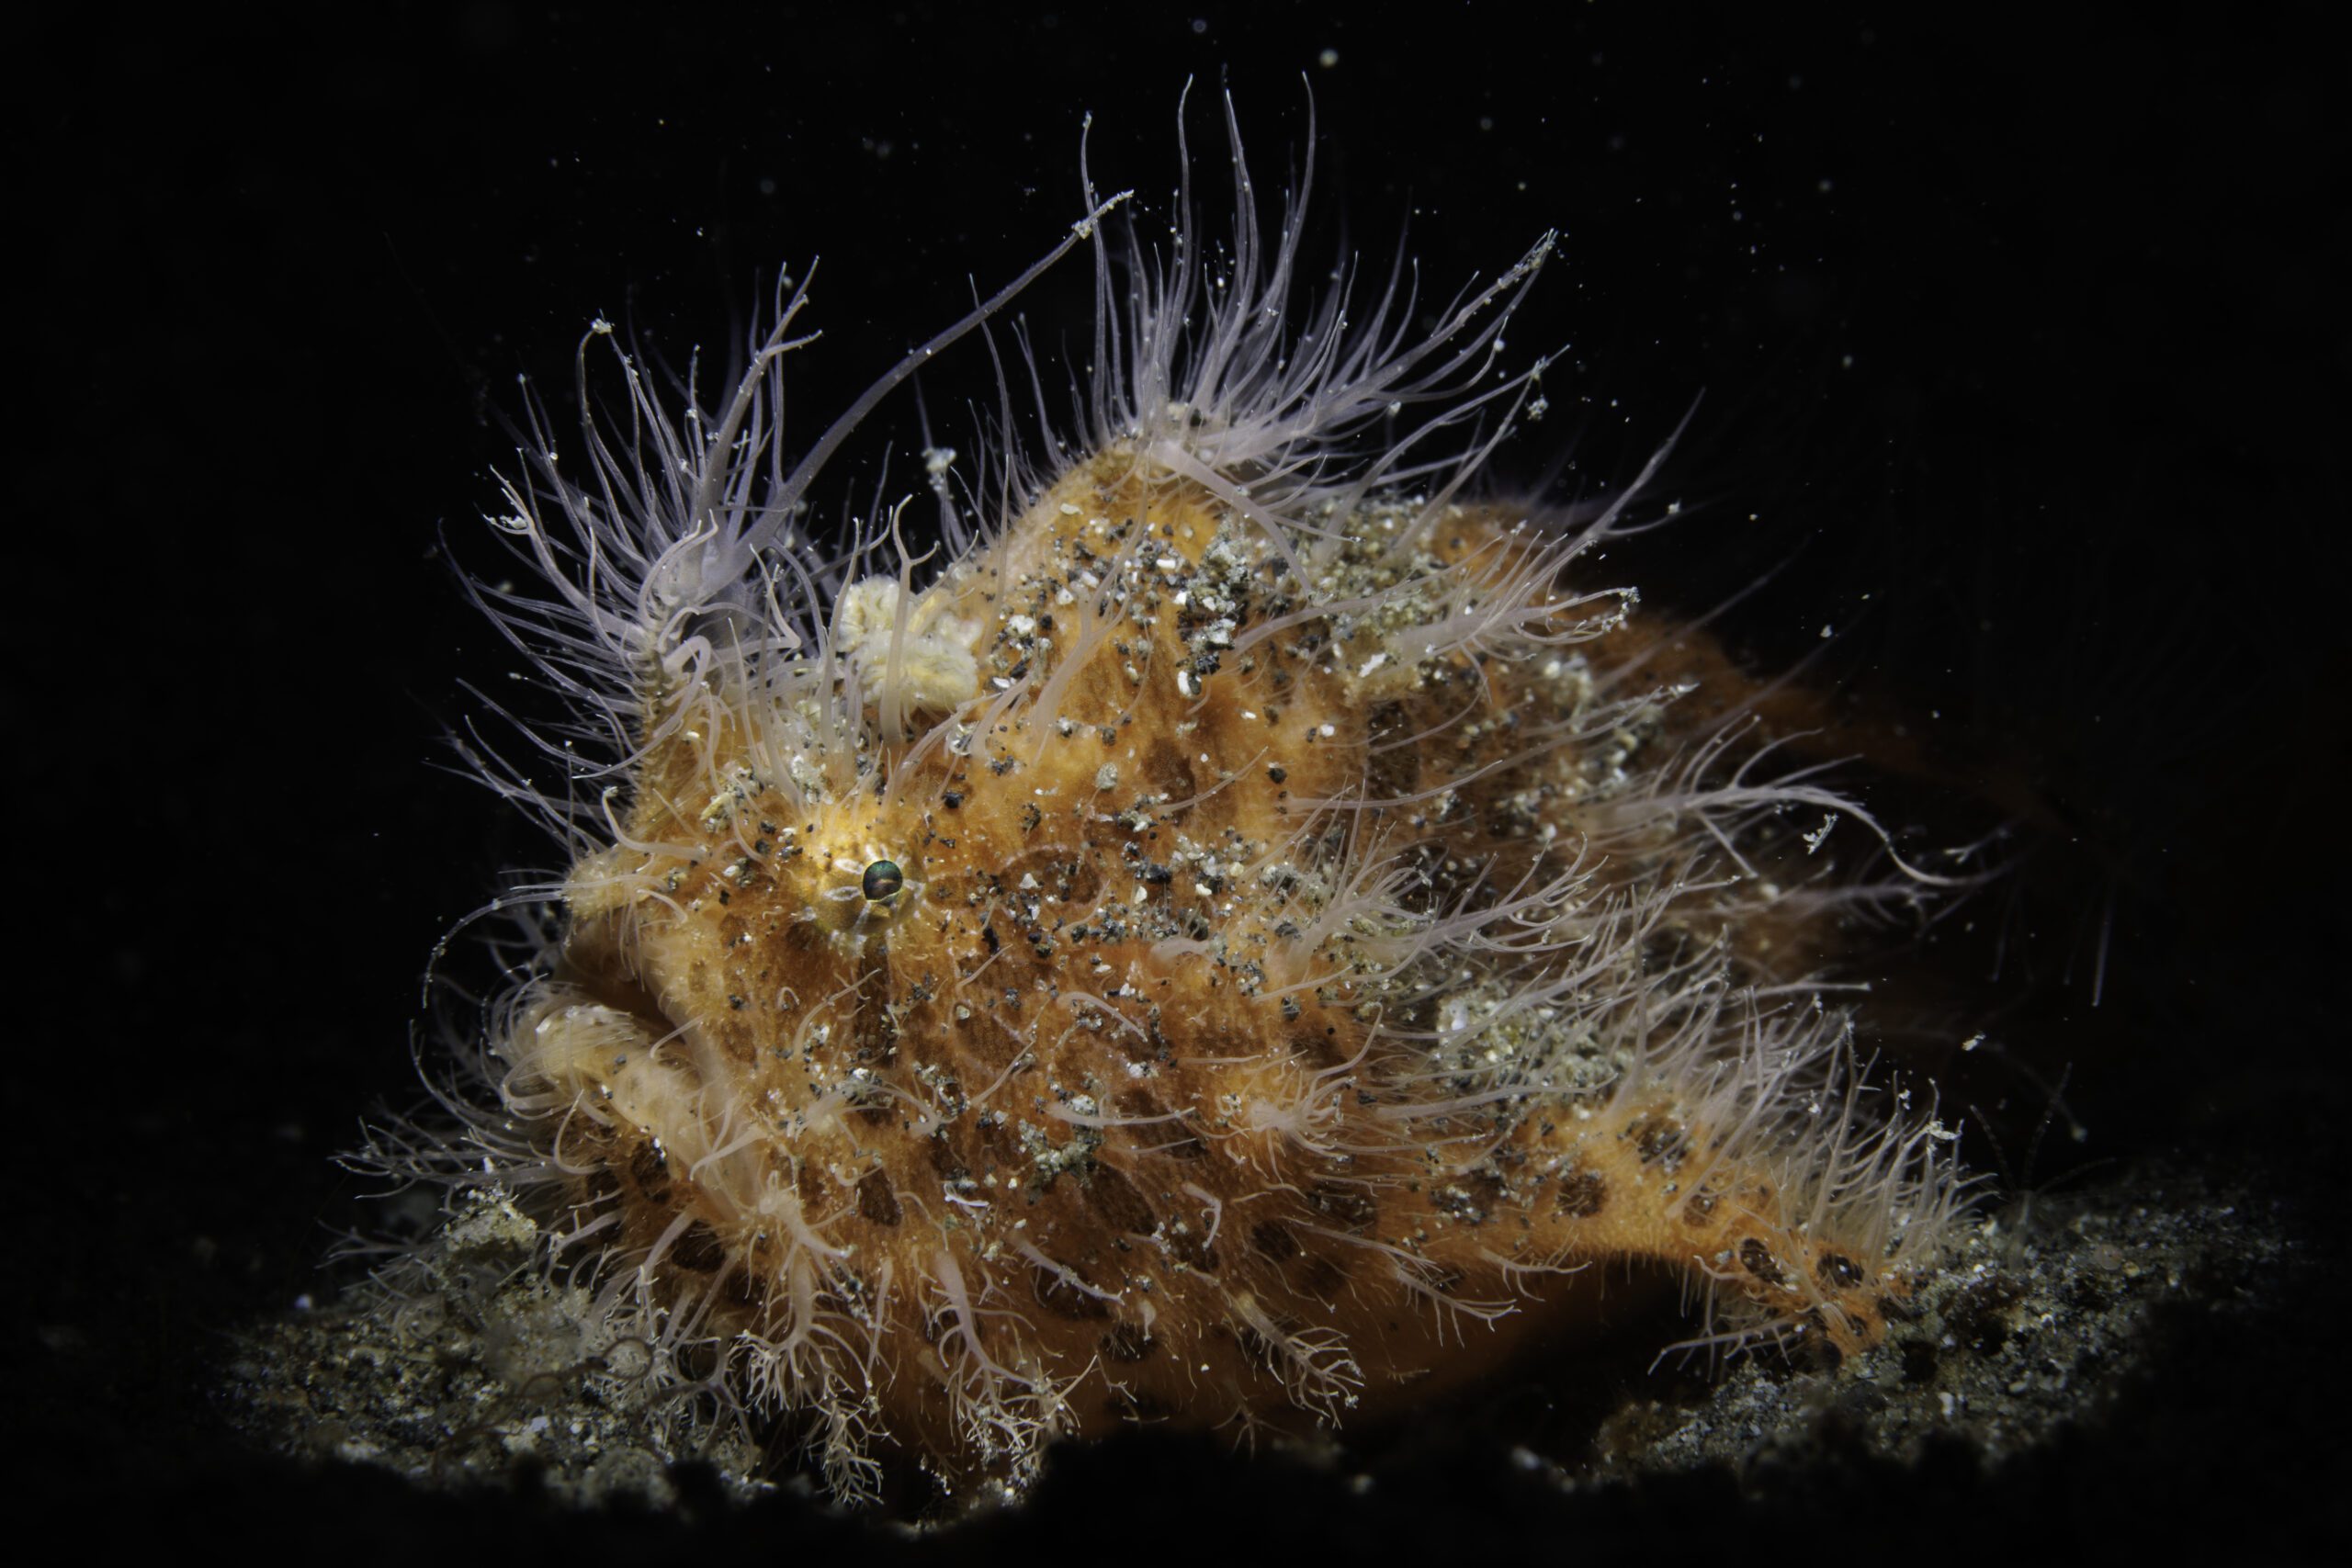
[[2016, 345]]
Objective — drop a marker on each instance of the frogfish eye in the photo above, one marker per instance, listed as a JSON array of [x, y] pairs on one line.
[[883, 880]]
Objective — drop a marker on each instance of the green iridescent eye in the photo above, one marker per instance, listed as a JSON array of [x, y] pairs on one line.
[[883, 880]]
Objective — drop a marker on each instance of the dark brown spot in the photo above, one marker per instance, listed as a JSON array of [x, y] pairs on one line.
[[1395, 772], [1272, 1239], [944, 1160], [995, 1139], [1757, 1259], [1128, 1043], [1838, 1271], [698, 1249], [1469, 1199], [875, 1198], [1180, 1145], [1350, 1208], [811, 1186], [1057, 1292], [1191, 1248], [649, 1173], [874, 1032], [1659, 1141], [1114, 1198], [1317, 1049], [1126, 1344], [1699, 1211], [1583, 1194], [1163, 1137], [1168, 773], [1322, 1279], [1817, 1352], [742, 1289], [601, 1188]]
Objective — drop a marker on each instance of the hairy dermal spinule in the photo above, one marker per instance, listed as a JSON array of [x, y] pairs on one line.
[[1241, 932]]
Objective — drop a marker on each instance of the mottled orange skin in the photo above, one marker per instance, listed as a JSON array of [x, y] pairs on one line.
[[1052, 1067]]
